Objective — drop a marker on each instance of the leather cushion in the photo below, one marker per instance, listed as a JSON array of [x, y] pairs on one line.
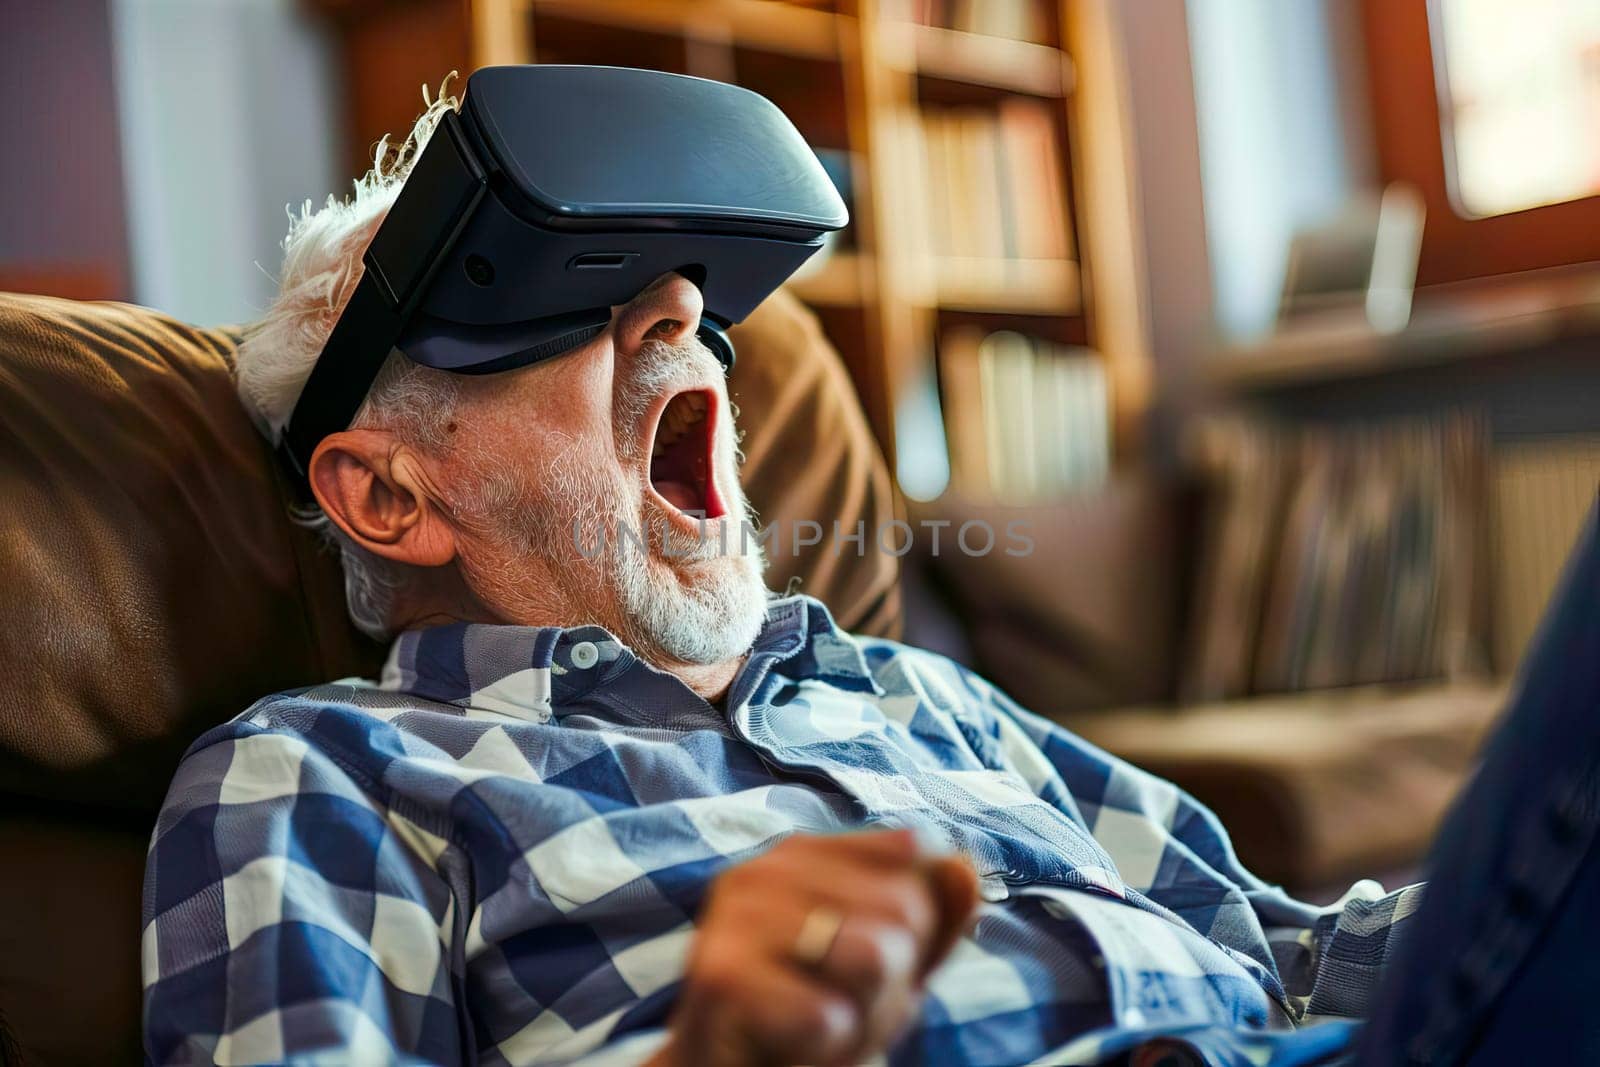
[[69, 948], [809, 456], [154, 583]]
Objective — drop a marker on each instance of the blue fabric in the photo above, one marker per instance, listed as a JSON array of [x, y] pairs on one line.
[[497, 853], [1501, 968]]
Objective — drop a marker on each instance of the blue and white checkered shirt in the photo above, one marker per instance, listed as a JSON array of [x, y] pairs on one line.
[[497, 854]]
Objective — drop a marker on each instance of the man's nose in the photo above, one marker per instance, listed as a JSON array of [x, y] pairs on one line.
[[669, 310]]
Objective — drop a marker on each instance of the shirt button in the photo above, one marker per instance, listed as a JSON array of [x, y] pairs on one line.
[[585, 655]]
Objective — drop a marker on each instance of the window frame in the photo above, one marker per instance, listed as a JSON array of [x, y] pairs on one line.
[[1410, 139]]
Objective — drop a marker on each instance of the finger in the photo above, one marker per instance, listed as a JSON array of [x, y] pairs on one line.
[[934, 900], [875, 954], [877, 964], [903, 898], [886, 928], [955, 891], [931, 901], [734, 1012]]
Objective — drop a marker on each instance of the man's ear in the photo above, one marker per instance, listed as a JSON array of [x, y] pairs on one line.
[[373, 487]]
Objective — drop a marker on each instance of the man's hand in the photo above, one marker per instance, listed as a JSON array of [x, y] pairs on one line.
[[817, 951]]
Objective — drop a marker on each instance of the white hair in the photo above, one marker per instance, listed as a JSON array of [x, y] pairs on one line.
[[321, 266]]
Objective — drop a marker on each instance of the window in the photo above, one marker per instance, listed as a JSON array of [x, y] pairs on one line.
[[1491, 108], [1519, 91]]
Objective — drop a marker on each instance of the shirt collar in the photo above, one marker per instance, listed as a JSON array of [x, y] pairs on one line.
[[821, 651], [526, 672]]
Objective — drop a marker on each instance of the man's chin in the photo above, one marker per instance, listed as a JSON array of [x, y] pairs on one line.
[[697, 611]]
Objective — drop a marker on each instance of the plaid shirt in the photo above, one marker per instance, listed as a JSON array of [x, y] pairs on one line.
[[497, 853]]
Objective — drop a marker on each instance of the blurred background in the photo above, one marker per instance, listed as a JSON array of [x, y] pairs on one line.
[[1275, 320]]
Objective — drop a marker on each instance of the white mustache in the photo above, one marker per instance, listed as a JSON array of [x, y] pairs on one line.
[[659, 367]]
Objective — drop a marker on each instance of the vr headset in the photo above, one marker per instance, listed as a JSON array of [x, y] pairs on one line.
[[555, 193]]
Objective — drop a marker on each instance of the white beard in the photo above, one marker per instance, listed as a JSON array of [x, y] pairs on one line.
[[711, 619]]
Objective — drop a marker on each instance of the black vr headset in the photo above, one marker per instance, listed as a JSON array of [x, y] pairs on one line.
[[556, 193]]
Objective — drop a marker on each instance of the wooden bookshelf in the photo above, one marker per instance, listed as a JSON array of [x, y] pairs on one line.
[[786, 29], [1009, 286], [978, 59], [844, 279], [846, 73]]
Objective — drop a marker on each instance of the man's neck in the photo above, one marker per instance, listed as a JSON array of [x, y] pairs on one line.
[[709, 682]]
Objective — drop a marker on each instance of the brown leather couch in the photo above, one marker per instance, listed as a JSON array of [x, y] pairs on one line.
[[154, 586]]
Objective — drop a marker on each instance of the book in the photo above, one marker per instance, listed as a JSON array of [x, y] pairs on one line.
[[1022, 20], [1026, 419], [995, 186], [961, 395], [1005, 362], [1026, 134], [1375, 576]]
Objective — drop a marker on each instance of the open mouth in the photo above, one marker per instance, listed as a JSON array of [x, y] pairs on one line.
[[681, 470]]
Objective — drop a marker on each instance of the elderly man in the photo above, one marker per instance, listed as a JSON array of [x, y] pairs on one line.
[[627, 805]]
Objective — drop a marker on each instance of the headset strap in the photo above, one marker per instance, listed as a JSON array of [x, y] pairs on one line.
[[401, 261]]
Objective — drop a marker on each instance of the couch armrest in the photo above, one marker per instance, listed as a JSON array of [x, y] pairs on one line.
[[1320, 786]]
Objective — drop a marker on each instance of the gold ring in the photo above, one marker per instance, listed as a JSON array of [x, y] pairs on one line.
[[817, 934]]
